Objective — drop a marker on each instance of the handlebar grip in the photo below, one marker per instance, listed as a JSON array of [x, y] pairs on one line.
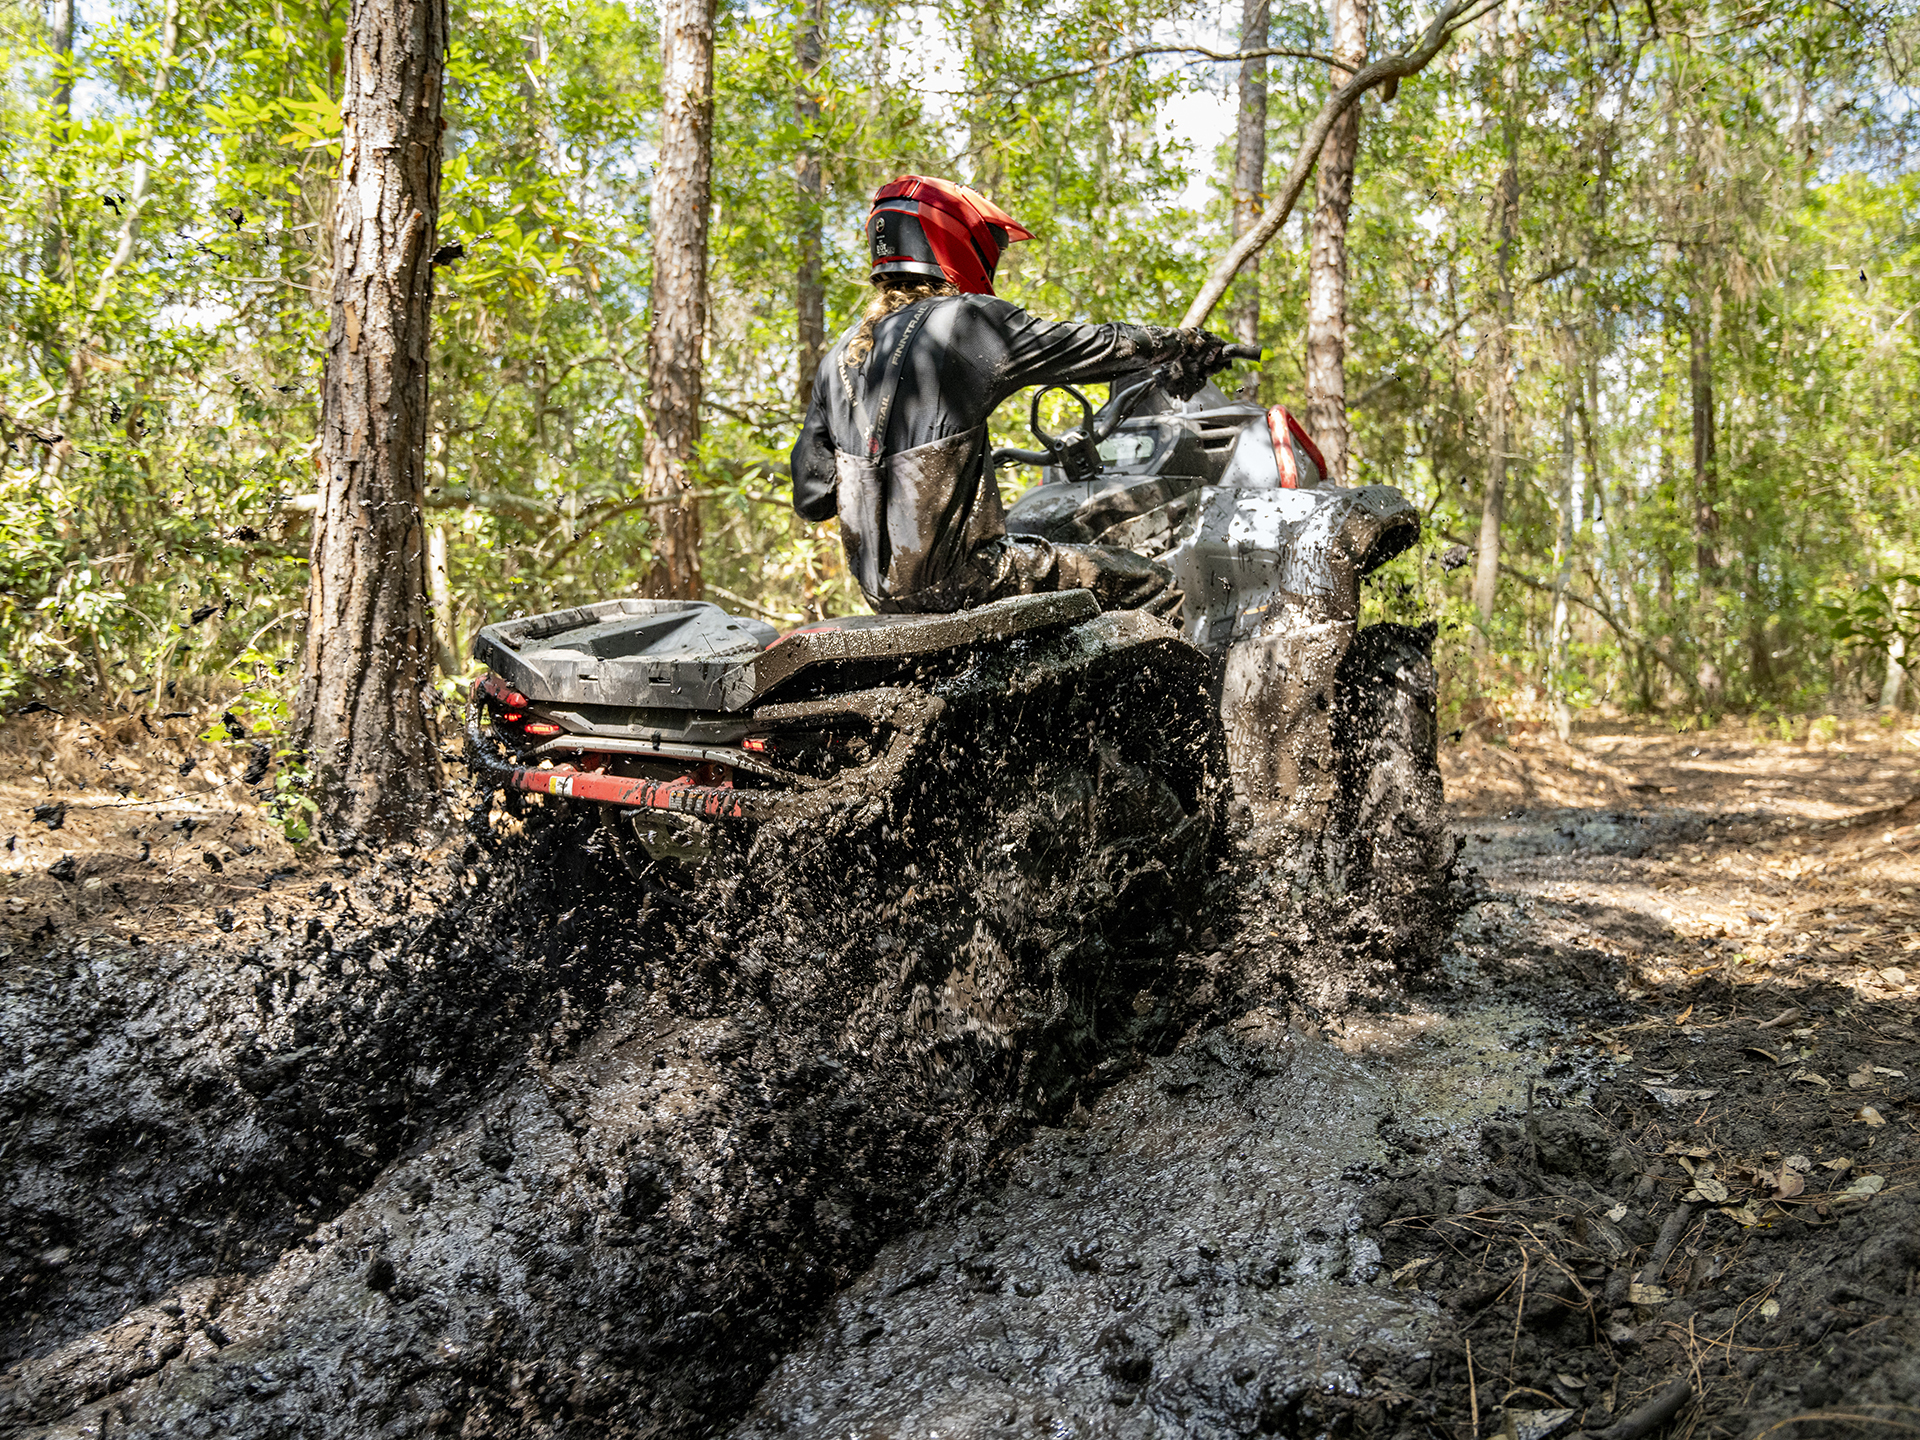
[[1242, 352], [1007, 455]]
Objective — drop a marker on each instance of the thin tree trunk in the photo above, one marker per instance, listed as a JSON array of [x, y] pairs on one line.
[[139, 188], [1486, 578], [1896, 677], [56, 259], [682, 194], [1563, 557], [440, 593], [983, 149], [363, 717], [1706, 464], [1327, 254], [1250, 165], [810, 289]]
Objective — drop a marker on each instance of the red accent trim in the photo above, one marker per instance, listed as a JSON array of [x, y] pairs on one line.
[[1282, 451], [641, 794], [1306, 443]]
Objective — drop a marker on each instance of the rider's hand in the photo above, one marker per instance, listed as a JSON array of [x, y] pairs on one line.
[[1200, 356]]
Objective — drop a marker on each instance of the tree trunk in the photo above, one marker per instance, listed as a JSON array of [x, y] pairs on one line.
[[682, 193], [363, 717], [1250, 166], [1327, 255], [56, 262], [810, 288], [1706, 465], [983, 117], [1563, 559], [1486, 577]]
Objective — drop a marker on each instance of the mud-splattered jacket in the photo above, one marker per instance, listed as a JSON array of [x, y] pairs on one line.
[[907, 479]]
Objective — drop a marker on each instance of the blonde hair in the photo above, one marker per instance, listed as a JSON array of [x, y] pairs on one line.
[[889, 294]]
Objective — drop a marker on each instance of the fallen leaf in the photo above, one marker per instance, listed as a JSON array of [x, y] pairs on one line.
[[1842, 1164], [1570, 1382], [1883, 1070], [1788, 1184], [1679, 1097], [1617, 1214], [1798, 1162], [1533, 1424], [1769, 1309], [1745, 1216], [1407, 1276], [1687, 1014], [1894, 975], [1809, 1078], [1706, 1188], [1695, 1152], [1640, 1294], [1784, 1017], [1767, 1055], [1863, 1188], [1867, 1115], [1863, 1077]]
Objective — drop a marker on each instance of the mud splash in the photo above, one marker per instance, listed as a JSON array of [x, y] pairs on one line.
[[1192, 1257]]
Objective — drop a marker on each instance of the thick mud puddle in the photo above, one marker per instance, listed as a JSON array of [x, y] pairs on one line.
[[1191, 1258]]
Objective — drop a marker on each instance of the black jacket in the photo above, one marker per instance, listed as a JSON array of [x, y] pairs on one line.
[[970, 354]]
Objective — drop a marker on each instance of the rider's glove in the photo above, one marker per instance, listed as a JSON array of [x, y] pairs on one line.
[[1200, 355]]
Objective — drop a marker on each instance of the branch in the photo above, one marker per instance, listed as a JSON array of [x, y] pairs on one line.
[[1227, 56], [1425, 350], [1601, 609], [1391, 67]]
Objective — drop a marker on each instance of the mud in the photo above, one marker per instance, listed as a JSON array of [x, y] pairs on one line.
[[438, 1163], [1193, 1257]]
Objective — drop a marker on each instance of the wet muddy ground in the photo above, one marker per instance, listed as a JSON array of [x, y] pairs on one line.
[[368, 1153]]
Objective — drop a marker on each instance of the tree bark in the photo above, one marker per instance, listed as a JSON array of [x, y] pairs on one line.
[[363, 717], [1706, 464], [1327, 255], [1250, 165], [1563, 553], [810, 288], [56, 261], [1486, 578], [983, 135], [682, 196]]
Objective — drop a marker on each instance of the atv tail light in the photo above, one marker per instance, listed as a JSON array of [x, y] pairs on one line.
[[540, 727], [513, 716], [514, 699], [759, 747]]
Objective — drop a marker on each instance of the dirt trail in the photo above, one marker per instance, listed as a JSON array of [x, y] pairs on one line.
[[390, 1157]]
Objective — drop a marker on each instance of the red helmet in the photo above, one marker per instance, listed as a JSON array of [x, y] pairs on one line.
[[923, 226]]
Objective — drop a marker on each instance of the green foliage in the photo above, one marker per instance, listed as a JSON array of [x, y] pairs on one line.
[[168, 248], [1880, 616]]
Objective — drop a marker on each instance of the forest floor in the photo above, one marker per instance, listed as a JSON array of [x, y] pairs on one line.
[[1639, 1156]]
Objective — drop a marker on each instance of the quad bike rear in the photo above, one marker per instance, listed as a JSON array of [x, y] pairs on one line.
[[1087, 760]]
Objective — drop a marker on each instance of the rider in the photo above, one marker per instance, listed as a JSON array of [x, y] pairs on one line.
[[895, 439]]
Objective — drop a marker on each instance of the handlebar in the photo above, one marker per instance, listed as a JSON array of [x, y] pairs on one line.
[[1075, 452]]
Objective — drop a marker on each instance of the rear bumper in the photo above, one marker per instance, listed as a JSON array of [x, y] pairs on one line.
[[907, 715], [593, 787]]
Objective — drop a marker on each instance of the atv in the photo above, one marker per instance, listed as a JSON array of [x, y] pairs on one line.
[[1060, 737]]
